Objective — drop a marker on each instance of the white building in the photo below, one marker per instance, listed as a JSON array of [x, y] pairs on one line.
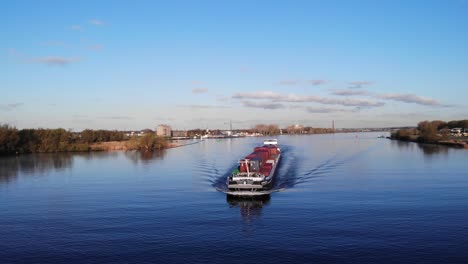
[[163, 131]]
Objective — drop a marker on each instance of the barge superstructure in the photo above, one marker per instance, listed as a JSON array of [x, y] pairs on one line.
[[255, 173]]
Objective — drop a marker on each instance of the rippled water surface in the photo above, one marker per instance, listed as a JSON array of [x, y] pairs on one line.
[[343, 198]]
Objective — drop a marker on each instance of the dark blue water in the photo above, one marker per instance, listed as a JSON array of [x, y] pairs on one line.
[[343, 198]]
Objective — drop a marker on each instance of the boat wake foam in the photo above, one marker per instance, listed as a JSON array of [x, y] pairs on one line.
[[293, 171], [247, 193], [286, 166]]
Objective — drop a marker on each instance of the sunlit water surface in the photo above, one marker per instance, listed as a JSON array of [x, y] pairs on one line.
[[343, 198]]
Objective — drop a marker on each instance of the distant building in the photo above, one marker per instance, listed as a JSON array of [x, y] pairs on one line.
[[163, 130], [298, 127], [179, 133], [135, 133]]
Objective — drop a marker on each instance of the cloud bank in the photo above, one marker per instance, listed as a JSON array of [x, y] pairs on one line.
[[264, 105], [9, 107], [323, 110], [199, 90], [55, 61], [404, 98], [117, 117], [411, 98], [203, 106], [76, 27], [47, 60], [359, 84], [292, 98], [317, 82], [96, 47], [289, 82], [349, 92], [96, 22], [296, 82]]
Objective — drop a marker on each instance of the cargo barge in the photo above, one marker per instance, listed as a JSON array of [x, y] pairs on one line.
[[255, 173]]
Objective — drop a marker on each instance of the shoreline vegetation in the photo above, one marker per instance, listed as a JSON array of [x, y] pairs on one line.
[[434, 132], [14, 141]]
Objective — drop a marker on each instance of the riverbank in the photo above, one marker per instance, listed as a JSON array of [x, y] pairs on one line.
[[436, 132], [128, 145], [457, 143], [124, 145], [454, 143], [15, 142]]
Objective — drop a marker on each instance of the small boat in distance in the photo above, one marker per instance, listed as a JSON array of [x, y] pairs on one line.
[[255, 173]]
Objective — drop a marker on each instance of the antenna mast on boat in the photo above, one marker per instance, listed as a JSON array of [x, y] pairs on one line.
[[230, 124]]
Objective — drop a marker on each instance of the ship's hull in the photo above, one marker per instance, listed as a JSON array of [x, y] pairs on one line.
[[249, 188]]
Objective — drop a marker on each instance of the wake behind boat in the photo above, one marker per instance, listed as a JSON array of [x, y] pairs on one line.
[[255, 173]]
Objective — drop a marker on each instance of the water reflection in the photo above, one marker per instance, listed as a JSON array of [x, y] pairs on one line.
[[33, 164], [145, 157], [426, 149], [250, 207], [403, 145], [95, 155], [42, 163], [433, 149]]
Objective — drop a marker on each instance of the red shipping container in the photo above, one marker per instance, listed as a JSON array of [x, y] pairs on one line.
[[251, 156], [273, 151], [243, 168], [266, 172]]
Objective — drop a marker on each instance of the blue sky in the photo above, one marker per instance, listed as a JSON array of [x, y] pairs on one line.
[[198, 64]]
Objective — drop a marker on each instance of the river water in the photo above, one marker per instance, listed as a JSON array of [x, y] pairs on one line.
[[342, 198]]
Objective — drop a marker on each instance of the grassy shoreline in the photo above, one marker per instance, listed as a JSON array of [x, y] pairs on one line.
[[14, 141], [446, 142], [124, 145], [435, 132]]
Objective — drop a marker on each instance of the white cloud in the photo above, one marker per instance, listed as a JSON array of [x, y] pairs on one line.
[[117, 117], [317, 82], [257, 95], [48, 60], [199, 90], [54, 43], [359, 84], [349, 92], [292, 98], [296, 82], [96, 22], [76, 28], [405, 98], [9, 107], [96, 47], [411, 98], [263, 105], [324, 110], [203, 106], [289, 82], [55, 61]]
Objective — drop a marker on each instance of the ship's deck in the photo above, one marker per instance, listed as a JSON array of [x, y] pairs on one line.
[[248, 193]]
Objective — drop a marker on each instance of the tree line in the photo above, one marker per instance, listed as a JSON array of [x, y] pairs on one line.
[[14, 141], [429, 131], [268, 130], [148, 142], [274, 129], [93, 136]]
